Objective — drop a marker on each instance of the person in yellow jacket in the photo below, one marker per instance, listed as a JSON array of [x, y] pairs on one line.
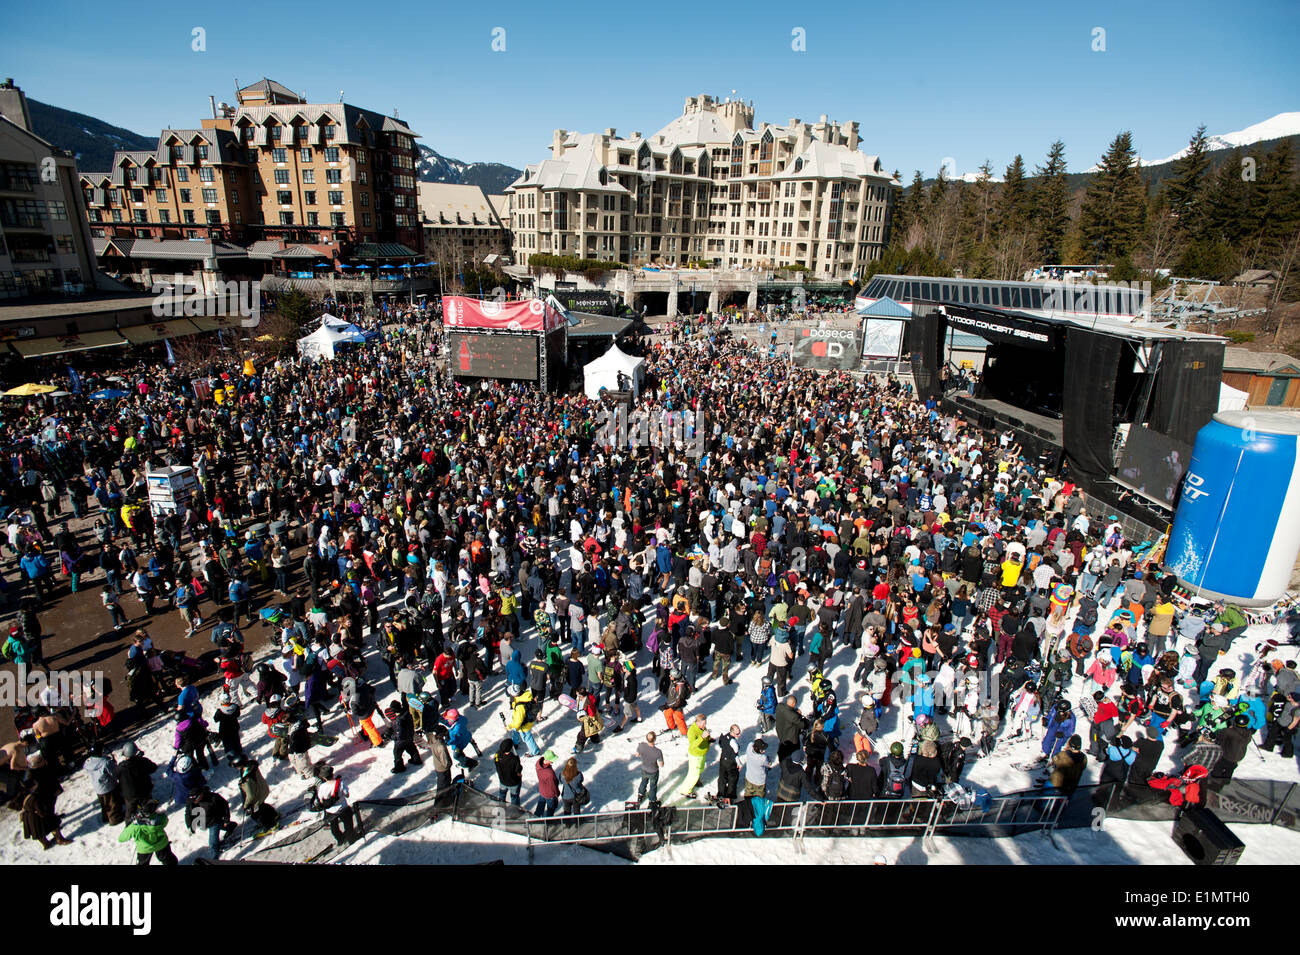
[[520, 726], [698, 741], [510, 610]]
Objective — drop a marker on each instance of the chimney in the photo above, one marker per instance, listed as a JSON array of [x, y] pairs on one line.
[[13, 105], [611, 133], [212, 104]]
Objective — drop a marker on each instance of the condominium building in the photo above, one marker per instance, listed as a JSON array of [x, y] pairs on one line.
[[45, 246], [461, 225], [273, 167], [709, 188]]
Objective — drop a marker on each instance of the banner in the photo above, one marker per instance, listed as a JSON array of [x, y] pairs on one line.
[[533, 315], [1003, 328], [883, 338], [827, 349]]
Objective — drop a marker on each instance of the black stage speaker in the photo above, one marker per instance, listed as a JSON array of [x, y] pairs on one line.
[[1205, 839]]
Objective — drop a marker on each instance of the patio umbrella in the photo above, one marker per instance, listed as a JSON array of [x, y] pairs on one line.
[[363, 266], [109, 394], [29, 389]]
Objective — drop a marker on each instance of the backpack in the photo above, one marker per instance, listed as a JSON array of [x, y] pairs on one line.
[[929, 560], [309, 663], [532, 710], [834, 788], [896, 779], [1088, 612]]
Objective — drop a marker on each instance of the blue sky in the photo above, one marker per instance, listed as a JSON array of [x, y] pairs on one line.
[[925, 80]]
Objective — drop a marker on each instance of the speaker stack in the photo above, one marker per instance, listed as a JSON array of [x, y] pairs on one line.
[[1205, 839]]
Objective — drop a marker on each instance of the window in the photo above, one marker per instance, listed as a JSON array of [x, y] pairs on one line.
[[309, 175], [214, 217], [209, 195], [336, 198], [336, 219], [239, 217], [329, 134], [304, 154], [361, 157], [187, 216], [276, 132], [137, 195], [17, 177], [206, 174], [334, 175], [139, 216], [280, 155], [309, 197], [284, 197], [365, 178], [182, 174], [282, 177], [117, 215], [365, 219], [160, 195], [59, 209], [365, 199], [234, 198], [164, 215], [63, 244], [312, 217], [1277, 392], [331, 152], [185, 195], [286, 218]]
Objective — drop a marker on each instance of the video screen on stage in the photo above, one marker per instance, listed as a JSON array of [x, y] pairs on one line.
[[1152, 464], [493, 356]]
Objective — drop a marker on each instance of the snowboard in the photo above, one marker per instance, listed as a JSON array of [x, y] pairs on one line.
[[565, 700]]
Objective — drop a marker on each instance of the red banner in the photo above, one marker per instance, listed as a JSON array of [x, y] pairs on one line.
[[533, 315]]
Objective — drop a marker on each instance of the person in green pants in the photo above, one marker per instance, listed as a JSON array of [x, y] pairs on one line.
[[698, 741]]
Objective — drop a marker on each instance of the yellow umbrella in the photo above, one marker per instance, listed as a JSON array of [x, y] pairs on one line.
[[27, 390]]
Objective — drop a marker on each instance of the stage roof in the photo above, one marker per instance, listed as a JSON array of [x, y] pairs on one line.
[[1133, 331]]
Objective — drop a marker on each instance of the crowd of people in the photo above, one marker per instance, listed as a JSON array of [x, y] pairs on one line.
[[424, 547]]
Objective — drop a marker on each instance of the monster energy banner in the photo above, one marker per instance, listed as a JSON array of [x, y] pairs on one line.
[[827, 349], [594, 303]]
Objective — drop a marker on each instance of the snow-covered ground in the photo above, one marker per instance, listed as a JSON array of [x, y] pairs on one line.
[[611, 775]]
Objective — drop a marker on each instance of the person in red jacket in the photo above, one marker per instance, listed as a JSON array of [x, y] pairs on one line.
[[1103, 724], [548, 786]]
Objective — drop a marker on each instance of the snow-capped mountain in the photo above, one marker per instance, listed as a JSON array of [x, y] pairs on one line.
[[1278, 127], [491, 177]]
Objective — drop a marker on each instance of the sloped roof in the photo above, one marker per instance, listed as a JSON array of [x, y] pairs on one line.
[[827, 161], [1266, 362], [298, 252], [886, 308], [442, 202], [696, 128], [579, 168], [265, 85]]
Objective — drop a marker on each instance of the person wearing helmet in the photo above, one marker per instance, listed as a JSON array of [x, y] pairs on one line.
[[148, 827], [767, 705], [895, 774], [1060, 727], [1233, 740], [674, 710], [186, 778]]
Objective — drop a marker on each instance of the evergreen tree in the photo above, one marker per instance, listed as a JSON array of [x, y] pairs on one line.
[[1226, 205], [1273, 208], [1114, 205], [1052, 205], [1185, 190], [1015, 203]]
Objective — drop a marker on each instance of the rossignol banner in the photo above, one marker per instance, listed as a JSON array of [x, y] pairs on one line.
[[533, 315], [827, 349]]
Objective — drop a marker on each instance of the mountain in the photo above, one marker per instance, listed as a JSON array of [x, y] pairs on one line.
[[91, 140], [491, 177], [1278, 127]]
